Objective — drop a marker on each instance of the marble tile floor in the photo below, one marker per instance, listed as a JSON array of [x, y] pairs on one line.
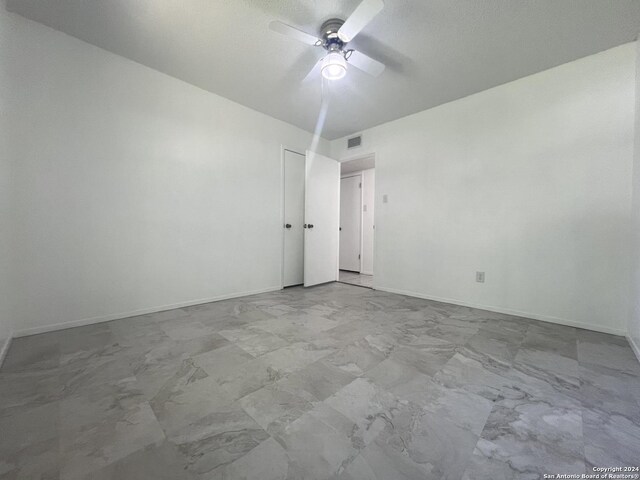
[[353, 278], [334, 381]]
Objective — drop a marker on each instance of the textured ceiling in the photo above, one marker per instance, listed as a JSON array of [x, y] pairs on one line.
[[435, 50]]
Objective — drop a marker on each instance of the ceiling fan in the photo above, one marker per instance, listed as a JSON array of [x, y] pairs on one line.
[[335, 34]]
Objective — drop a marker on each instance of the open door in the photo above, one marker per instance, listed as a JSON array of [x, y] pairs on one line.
[[322, 219], [293, 214]]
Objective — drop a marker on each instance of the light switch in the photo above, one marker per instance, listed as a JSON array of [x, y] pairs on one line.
[[385, 199]]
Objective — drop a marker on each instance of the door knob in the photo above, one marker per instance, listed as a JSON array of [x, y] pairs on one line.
[[310, 225], [288, 225]]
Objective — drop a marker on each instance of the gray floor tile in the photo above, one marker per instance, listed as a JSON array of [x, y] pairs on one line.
[[610, 391], [203, 457], [608, 351], [558, 371], [319, 443], [267, 461], [275, 406], [534, 435], [94, 446], [611, 440], [321, 379], [357, 357], [420, 445], [22, 391], [335, 381], [153, 462], [254, 341], [552, 338], [219, 363], [368, 405], [37, 352], [354, 278], [471, 375], [29, 443]]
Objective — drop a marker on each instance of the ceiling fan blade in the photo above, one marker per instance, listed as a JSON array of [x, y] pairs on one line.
[[359, 19], [313, 73], [366, 63], [292, 32]]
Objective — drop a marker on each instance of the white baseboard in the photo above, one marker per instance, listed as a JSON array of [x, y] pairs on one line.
[[634, 346], [5, 348], [143, 311], [517, 313]]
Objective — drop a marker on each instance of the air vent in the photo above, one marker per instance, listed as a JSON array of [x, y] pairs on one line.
[[354, 142]]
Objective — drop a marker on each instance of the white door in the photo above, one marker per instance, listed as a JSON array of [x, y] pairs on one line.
[[350, 222], [322, 218], [294, 173], [368, 188]]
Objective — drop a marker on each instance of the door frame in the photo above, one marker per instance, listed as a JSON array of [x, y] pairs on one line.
[[283, 149], [361, 222], [377, 201]]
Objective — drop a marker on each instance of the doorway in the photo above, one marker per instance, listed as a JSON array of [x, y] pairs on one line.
[[357, 193], [350, 222]]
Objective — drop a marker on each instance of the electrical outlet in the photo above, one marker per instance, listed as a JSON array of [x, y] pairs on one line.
[[480, 277]]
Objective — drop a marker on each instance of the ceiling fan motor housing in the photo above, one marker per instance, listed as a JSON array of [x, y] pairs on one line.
[[329, 34]]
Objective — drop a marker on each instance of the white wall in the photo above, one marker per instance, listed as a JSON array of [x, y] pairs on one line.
[[126, 190], [529, 182], [634, 319], [6, 168], [135, 191]]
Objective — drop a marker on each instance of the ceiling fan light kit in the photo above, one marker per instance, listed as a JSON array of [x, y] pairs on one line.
[[334, 36], [334, 66]]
